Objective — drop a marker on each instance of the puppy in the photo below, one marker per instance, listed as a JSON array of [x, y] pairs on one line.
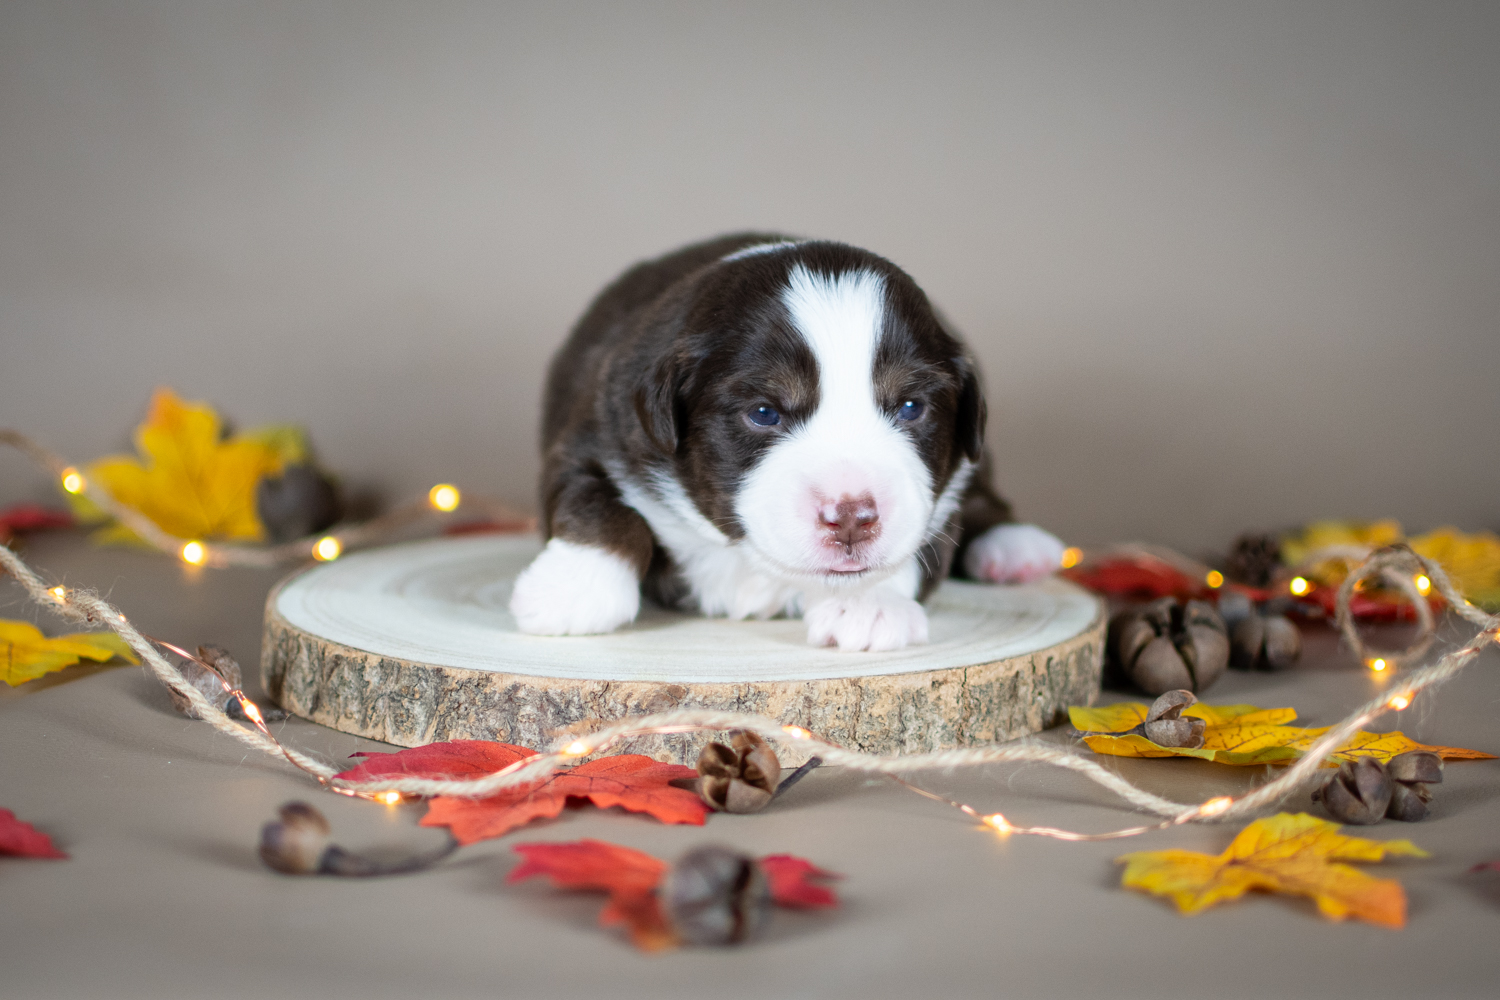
[[758, 426]]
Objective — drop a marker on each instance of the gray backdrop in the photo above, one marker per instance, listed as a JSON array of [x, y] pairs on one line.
[[1226, 265]]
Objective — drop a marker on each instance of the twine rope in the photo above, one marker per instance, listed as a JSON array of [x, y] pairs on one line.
[[84, 605]]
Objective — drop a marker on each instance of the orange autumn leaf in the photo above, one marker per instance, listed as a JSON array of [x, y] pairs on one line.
[[25, 653], [188, 477], [631, 781], [631, 879], [629, 876], [1294, 854], [1239, 734]]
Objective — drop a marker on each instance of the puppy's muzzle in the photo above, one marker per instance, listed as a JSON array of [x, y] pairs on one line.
[[850, 522]]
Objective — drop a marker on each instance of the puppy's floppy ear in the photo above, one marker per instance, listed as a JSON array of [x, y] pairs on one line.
[[656, 402], [968, 422]]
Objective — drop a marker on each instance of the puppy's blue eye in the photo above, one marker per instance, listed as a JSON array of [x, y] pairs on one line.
[[910, 410], [764, 416]]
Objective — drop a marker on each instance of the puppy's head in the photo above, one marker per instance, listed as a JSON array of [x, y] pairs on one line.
[[814, 408]]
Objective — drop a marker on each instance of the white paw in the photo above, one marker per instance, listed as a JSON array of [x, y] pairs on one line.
[[573, 589], [874, 621], [1013, 553]]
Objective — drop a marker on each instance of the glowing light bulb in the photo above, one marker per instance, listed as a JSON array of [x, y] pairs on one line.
[[59, 594], [1215, 579], [1399, 701], [194, 553], [1071, 557], [577, 748], [797, 732], [251, 711], [72, 480], [1299, 585], [1378, 664], [1215, 806], [328, 549], [1423, 584], [444, 497], [999, 824], [388, 798]]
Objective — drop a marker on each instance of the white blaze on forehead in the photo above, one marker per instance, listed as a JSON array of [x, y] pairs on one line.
[[848, 447], [840, 317]]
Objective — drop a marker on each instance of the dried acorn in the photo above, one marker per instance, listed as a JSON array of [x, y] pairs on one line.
[[297, 844], [299, 502], [207, 681], [1359, 792], [1165, 646], [1411, 773], [1165, 725], [714, 895], [1264, 642], [741, 779]]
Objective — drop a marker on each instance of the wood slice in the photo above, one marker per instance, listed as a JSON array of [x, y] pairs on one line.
[[413, 644]]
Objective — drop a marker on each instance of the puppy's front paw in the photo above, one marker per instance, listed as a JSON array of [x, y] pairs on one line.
[[1013, 553], [573, 589], [874, 621]]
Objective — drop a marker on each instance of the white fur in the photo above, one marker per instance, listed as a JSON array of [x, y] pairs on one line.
[[879, 618], [573, 589], [761, 248], [1013, 553], [847, 448]]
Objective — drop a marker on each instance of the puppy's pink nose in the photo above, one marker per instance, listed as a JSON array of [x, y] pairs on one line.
[[851, 521]]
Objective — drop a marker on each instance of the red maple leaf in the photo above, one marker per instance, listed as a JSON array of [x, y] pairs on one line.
[[629, 876], [631, 781], [455, 759], [23, 839], [792, 883], [31, 517]]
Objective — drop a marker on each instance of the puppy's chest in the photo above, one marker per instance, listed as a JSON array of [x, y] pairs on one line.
[[720, 575]]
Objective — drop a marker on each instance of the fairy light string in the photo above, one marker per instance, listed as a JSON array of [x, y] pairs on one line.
[[84, 605], [441, 500]]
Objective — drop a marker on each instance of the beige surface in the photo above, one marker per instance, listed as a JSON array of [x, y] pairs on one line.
[[1186, 238], [164, 897]]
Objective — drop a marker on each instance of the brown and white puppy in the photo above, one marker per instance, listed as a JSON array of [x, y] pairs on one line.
[[757, 426]]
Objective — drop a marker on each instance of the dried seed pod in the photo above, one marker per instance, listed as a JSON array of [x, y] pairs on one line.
[[714, 895], [1408, 802], [1269, 642], [1234, 607], [1165, 646], [1411, 773], [296, 843], [206, 681], [741, 779], [1254, 559], [298, 503], [1359, 792], [1165, 725]]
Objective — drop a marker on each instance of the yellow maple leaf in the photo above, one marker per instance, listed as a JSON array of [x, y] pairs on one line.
[[1296, 854], [1239, 734], [25, 653], [189, 479]]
